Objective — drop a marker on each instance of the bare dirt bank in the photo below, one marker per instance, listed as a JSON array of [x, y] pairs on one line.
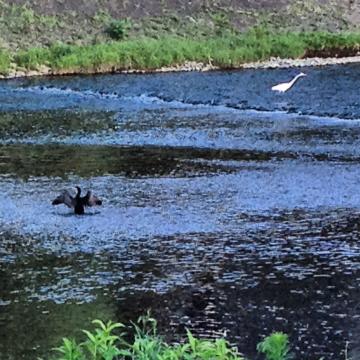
[[38, 23]]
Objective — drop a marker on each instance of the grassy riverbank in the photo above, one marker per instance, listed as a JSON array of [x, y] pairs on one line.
[[224, 51]]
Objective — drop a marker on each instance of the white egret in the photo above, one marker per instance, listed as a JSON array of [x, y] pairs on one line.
[[286, 86]]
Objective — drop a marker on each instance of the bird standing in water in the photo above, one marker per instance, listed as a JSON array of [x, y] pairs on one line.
[[286, 86], [78, 202]]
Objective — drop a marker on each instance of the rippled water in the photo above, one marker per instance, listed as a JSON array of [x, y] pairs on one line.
[[227, 207]]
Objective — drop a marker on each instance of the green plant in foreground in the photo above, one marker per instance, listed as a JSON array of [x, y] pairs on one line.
[[100, 344], [69, 350], [275, 347], [103, 344]]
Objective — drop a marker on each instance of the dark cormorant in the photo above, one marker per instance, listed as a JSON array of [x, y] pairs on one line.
[[78, 202]]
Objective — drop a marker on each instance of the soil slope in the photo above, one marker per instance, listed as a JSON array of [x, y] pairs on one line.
[[141, 8], [25, 23]]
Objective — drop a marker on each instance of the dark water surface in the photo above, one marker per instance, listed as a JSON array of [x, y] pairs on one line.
[[227, 208]]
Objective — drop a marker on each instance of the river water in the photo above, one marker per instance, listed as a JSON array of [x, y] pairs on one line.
[[227, 208]]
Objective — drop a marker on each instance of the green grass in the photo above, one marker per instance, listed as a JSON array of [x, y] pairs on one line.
[[4, 62], [226, 51], [106, 342]]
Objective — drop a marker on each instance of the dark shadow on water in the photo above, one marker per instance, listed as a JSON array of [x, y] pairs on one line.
[[20, 124], [25, 160]]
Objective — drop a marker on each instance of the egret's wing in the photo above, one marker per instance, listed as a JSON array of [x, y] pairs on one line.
[[90, 200], [64, 198]]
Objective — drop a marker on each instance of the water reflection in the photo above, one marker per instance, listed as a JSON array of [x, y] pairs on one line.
[[25, 160]]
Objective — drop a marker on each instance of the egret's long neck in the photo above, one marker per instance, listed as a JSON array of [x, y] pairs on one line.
[[292, 82]]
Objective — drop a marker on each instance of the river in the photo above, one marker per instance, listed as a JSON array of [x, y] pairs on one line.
[[227, 208]]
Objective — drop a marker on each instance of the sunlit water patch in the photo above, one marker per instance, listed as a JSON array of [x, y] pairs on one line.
[[160, 205]]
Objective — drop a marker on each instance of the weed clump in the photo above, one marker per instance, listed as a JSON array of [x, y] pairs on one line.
[[118, 29], [275, 347], [104, 344]]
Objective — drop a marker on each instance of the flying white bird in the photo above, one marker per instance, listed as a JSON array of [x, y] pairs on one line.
[[286, 86]]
